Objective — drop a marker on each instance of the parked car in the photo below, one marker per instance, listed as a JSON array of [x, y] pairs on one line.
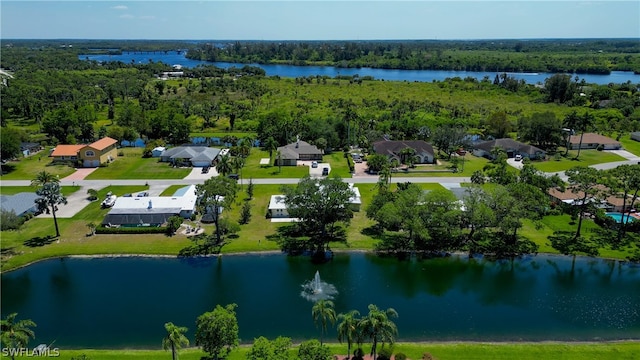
[[143, 194], [233, 176], [127, 195], [109, 201], [205, 169], [314, 164], [325, 171], [518, 157]]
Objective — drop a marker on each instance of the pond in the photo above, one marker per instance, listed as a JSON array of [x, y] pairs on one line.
[[124, 302]]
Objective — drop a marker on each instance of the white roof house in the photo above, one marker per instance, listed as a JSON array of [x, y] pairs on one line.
[[154, 210]]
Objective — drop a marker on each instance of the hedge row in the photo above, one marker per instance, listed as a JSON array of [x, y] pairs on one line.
[[131, 230]]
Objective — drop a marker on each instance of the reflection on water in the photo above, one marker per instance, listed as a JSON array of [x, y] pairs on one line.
[[84, 302]]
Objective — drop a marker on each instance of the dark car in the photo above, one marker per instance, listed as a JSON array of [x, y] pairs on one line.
[[205, 169], [143, 194], [325, 171], [233, 176]]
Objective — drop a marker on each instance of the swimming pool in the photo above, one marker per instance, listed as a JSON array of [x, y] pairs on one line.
[[618, 217]]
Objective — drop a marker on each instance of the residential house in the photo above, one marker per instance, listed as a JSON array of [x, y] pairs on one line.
[[21, 203], [99, 152], [28, 148], [635, 136], [607, 201], [197, 156], [511, 148], [278, 208], [65, 153], [92, 155], [423, 151], [152, 210], [593, 141], [299, 150]]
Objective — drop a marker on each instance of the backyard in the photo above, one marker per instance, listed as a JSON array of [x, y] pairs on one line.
[[131, 165]]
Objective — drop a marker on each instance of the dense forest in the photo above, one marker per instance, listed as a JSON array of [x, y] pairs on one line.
[[568, 56]]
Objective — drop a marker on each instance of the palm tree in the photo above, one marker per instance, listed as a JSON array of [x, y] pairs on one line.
[[16, 334], [224, 165], [323, 312], [44, 177], [279, 156], [50, 196], [407, 154], [378, 326], [237, 163], [584, 122], [348, 328], [270, 145], [175, 339], [570, 122]]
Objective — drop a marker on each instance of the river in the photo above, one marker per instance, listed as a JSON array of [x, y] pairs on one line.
[[124, 302], [292, 71]]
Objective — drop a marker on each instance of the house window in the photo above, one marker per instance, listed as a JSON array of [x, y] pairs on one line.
[[89, 153]]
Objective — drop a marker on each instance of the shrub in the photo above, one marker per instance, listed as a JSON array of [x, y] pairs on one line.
[[9, 220], [385, 353], [131, 230], [358, 354], [400, 356]]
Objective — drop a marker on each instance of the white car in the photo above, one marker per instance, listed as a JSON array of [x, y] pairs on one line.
[[518, 158], [314, 164], [109, 201]]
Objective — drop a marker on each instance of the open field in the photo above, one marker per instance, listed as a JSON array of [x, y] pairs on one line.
[[439, 350], [12, 190], [133, 166]]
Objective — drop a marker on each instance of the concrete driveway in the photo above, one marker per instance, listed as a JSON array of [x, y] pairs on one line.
[[75, 203], [516, 164], [196, 174], [315, 172]]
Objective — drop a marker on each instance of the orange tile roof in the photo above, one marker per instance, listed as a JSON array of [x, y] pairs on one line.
[[66, 150], [103, 143]]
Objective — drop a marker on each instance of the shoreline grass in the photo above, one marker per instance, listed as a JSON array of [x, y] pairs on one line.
[[625, 349]]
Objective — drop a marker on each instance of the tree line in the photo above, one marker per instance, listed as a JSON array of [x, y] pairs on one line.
[[566, 56]]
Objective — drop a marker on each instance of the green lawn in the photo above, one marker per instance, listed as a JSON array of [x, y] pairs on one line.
[[27, 168], [443, 169], [439, 350], [587, 158], [133, 166], [253, 169], [630, 145], [171, 190]]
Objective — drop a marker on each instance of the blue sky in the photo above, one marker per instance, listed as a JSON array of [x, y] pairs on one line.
[[318, 20]]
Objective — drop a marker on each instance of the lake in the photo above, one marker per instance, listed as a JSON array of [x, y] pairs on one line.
[[124, 301], [292, 71]]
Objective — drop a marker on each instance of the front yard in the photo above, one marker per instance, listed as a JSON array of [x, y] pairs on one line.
[[133, 166], [587, 158]]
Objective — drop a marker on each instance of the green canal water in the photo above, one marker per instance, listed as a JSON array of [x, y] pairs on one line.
[[124, 302]]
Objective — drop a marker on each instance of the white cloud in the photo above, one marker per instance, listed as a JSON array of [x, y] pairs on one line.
[[120, 7], [126, 16]]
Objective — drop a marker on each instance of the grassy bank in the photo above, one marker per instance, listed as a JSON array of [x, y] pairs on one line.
[[415, 351]]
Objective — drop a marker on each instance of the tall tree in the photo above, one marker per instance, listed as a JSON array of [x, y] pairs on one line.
[[570, 123], [10, 142], [626, 179], [348, 329], [16, 334], [224, 165], [44, 177], [583, 182], [379, 327], [216, 193], [584, 122], [217, 331], [323, 313], [498, 125], [319, 204], [174, 339], [270, 145], [50, 196]]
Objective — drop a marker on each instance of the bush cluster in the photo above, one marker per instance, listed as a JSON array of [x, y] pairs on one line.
[[131, 230]]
